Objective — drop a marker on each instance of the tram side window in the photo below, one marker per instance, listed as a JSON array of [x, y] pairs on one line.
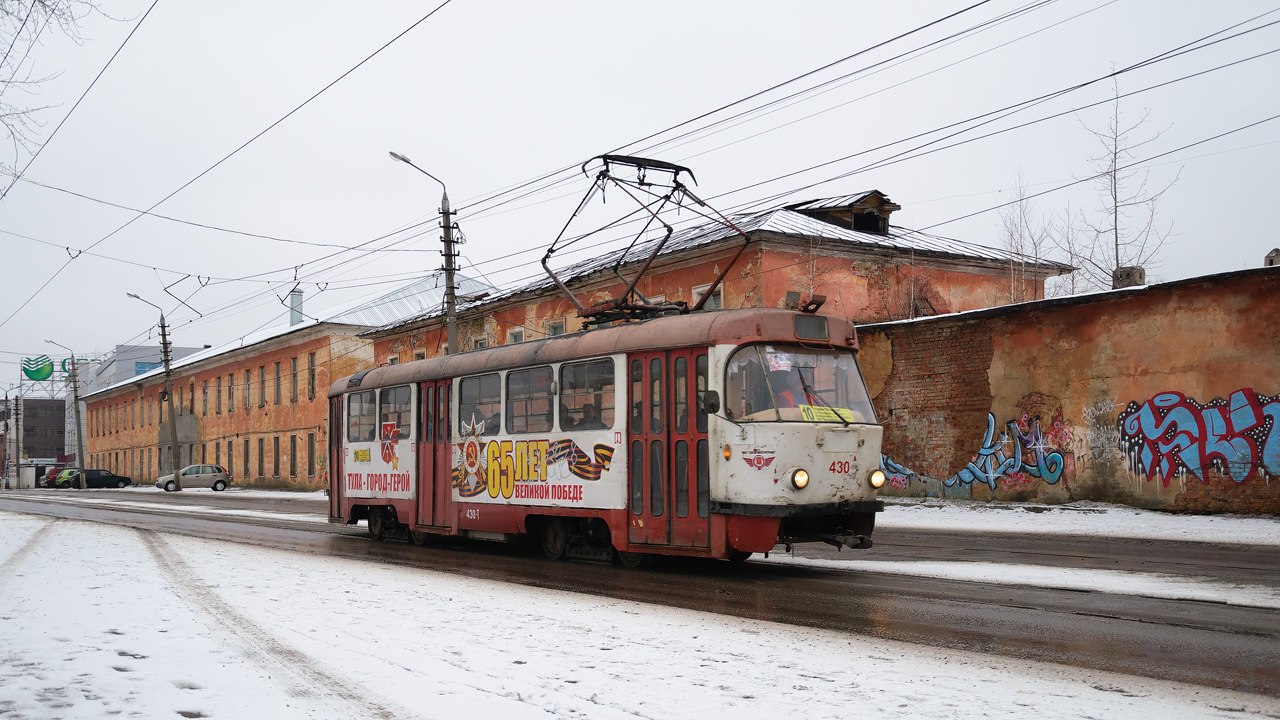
[[397, 408], [587, 395], [480, 404], [529, 400], [361, 413]]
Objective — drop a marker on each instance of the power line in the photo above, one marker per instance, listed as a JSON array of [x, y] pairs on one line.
[[225, 158]]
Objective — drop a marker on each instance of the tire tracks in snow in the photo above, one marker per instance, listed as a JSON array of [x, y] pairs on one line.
[[9, 567], [300, 674]]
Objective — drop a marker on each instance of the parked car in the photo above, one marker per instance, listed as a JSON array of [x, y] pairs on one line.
[[50, 474], [66, 477], [102, 479], [197, 476]]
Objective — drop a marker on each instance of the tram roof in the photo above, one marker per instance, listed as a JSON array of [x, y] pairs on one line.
[[662, 333]]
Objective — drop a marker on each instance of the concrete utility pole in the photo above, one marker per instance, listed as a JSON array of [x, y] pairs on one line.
[[174, 467], [75, 399], [450, 256]]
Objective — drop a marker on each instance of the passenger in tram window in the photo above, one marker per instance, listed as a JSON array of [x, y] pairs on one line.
[[590, 419], [566, 421], [786, 388]]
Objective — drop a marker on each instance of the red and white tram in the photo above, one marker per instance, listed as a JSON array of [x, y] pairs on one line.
[[713, 434]]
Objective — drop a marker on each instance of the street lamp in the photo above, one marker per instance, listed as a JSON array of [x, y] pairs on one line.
[[168, 393], [450, 298], [75, 400]]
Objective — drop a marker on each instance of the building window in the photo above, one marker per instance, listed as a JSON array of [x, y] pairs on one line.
[[204, 398], [247, 377], [393, 359], [217, 453], [180, 403], [311, 454], [555, 327], [479, 343], [231, 456], [277, 393], [420, 355], [246, 458], [515, 335], [293, 456], [204, 452], [311, 376], [217, 395], [262, 386], [275, 456], [191, 396], [262, 457], [231, 393], [716, 301], [293, 380]]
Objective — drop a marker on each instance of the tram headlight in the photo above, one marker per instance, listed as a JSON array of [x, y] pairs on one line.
[[800, 479], [878, 478]]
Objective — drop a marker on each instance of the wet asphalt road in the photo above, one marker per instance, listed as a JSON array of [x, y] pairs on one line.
[[1188, 641]]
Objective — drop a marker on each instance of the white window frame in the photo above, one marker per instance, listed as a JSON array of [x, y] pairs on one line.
[[717, 299]]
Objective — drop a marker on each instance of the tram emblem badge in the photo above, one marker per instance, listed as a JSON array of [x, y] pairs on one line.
[[759, 459], [390, 438]]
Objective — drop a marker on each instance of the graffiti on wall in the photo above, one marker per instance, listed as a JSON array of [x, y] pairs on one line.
[[1100, 435], [1172, 433], [1022, 453]]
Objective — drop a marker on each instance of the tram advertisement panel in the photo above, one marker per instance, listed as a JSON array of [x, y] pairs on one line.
[[380, 456], [566, 470]]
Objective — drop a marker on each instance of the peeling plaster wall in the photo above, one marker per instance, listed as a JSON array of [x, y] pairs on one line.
[[1167, 397]]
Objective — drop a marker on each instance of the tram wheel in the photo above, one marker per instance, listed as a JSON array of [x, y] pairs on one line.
[[555, 538], [378, 524], [630, 560], [738, 556], [420, 538]]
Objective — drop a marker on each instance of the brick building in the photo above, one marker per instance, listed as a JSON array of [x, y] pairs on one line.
[[843, 249], [255, 405]]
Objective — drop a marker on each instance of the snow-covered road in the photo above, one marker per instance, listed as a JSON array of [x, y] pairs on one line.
[[101, 621]]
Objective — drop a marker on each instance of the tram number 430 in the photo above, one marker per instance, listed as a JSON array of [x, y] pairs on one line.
[[840, 467]]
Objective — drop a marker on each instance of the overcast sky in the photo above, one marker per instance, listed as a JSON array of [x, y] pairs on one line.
[[488, 94]]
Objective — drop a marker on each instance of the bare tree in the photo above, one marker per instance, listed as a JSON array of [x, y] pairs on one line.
[[1124, 231], [1066, 232], [23, 23], [1026, 237]]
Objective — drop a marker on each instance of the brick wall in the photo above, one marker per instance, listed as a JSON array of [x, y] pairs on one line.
[[1164, 397]]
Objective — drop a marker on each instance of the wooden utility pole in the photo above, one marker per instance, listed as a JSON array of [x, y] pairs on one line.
[[450, 289], [168, 393], [75, 399]]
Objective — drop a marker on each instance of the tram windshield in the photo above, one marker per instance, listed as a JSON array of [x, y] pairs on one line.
[[785, 383]]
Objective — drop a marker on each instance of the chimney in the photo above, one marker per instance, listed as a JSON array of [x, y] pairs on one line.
[[1131, 276], [295, 306]]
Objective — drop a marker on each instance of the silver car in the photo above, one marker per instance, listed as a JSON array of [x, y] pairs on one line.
[[197, 476]]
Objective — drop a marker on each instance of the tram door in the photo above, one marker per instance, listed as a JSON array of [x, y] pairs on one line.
[[435, 456], [337, 480], [668, 455]]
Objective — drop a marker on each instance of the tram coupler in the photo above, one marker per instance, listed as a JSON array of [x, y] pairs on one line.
[[847, 540]]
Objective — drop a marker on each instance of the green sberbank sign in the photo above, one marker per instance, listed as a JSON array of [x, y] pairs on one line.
[[38, 368]]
